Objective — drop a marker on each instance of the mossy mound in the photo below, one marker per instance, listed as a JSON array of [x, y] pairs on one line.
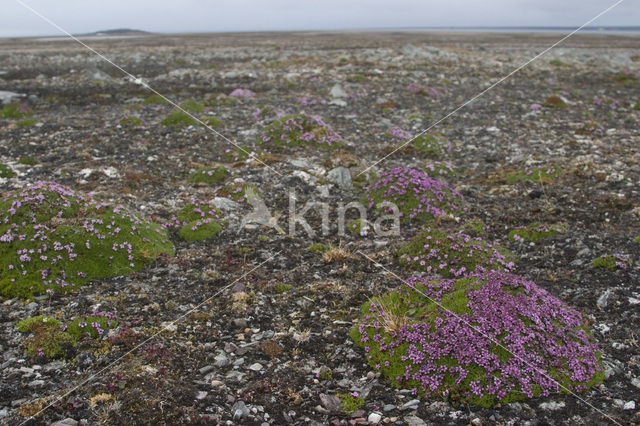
[[534, 174], [555, 101], [51, 339], [453, 254], [237, 191], [299, 129], [27, 122], [155, 100], [6, 172], [486, 339], [53, 239], [537, 231], [611, 262], [417, 196], [209, 175], [178, 119], [14, 110], [199, 220]]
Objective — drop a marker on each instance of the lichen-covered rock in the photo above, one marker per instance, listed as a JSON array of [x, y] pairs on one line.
[[54, 239], [485, 339]]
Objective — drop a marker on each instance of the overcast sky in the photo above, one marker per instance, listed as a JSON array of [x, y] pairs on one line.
[[83, 16]]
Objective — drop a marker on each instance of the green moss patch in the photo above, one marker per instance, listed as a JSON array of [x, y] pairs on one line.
[[299, 129], [416, 195], [537, 231], [485, 339], [54, 239], [453, 254], [350, 402], [14, 110], [6, 172], [611, 262], [209, 175], [154, 100], [534, 174], [130, 120], [27, 122], [319, 248], [179, 119]]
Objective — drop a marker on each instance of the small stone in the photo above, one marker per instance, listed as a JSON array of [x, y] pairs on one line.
[[221, 360], [338, 92], [603, 300], [239, 410], [388, 407], [341, 176], [414, 421], [201, 395], [36, 383], [636, 382], [552, 406], [66, 422], [411, 405], [629, 405], [476, 422], [216, 383], [331, 403], [255, 367], [205, 370], [240, 323], [374, 418], [238, 362], [536, 193]]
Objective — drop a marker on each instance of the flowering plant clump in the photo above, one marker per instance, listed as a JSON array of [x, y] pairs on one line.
[[491, 338], [534, 174], [54, 239], [442, 168], [49, 336], [299, 129], [6, 172], [360, 227], [606, 101], [590, 128], [197, 221], [350, 402], [237, 191], [536, 231], [268, 113], [241, 93], [209, 175], [417, 196], [611, 262], [453, 254]]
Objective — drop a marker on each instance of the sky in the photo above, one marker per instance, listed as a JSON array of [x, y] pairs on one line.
[[176, 16]]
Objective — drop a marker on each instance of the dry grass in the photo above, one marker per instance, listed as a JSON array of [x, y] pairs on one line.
[[336, 254]]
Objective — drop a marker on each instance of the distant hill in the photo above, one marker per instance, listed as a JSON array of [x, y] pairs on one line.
[[118, 32]]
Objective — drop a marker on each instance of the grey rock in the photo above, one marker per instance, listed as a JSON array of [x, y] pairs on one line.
[[32, 306], [331, 403], [629, 405], [256, 366], [552, 405], [338, 92], [341, 176], [36, 383], [603, 300], [66, 422], [388, 407], [8, 97], [238, 362], [374, 418], [636, 382], [221, 360], [338, 102], [411, 405], [414, 421], [239, 410], [225, 204], [206, 369]]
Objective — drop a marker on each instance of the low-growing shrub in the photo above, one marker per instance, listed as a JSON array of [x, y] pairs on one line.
[[485, 339], [54, 239], [453, 254], [536, 231], [299, 129], [417, 196]]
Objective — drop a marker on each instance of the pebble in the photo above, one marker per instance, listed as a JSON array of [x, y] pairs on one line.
[[238, 362], [414, 421], [552, 406], [36, 383], [629, 405], [636, 382], [255, 367], [374, 418], [603, 300], [239, 410], [221, 360], [388, 407], [341, 176], [66, 422], [201, 395], [338, 92], [413, 404]]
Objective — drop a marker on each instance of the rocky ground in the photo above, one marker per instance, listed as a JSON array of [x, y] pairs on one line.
[[254, 352]]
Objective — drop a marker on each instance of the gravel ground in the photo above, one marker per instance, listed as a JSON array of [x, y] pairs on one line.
[[244, 348]]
